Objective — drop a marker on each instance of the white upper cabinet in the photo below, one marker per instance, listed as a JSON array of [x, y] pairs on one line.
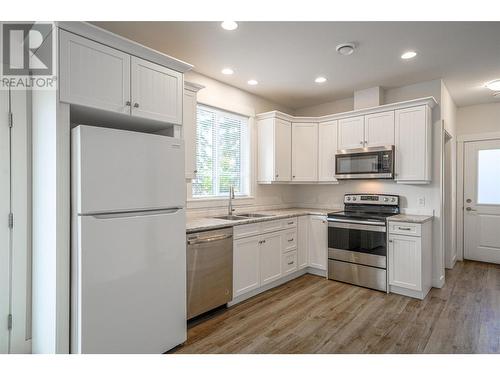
[[304, 151], [274, 150], [351, 132], [156, 92], [413, 144], [327, 147], [379, 129], [93, 75], [97, 76]]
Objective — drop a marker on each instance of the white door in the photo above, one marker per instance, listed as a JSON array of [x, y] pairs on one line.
[[411, 141], [283, 150], [304, 152], [246, 265], [318, 242], [129, 280], [189, 132], [4, 228], [405, 262], [351, 132], [93, 75], [327, 148], [482, 201], [303, 241], [124, 170], [379, 129], [270, 258], [157, 92]]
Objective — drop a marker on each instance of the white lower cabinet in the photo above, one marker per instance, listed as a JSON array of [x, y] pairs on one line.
[[270, 257], [303, 241], [246, 265], [409, 258], [318, 242]]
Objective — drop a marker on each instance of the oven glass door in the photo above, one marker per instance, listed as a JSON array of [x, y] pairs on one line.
[[361, 163], [368, 239]]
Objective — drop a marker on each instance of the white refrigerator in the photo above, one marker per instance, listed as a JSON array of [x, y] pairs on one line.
[[128, 257]]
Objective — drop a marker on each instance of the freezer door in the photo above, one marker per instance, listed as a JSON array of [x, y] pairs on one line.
[[124, 170], [129, 283]]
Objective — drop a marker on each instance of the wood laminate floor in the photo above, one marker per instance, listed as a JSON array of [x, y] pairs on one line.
[[314, 315]]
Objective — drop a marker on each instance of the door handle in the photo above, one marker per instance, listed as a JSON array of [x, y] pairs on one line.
[[470, 209]]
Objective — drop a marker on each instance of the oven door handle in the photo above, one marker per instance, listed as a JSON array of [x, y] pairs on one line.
[[354, 224]]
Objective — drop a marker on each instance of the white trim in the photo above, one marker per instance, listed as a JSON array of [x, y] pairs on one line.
[[478, 137], [461, 140], [429, 101], [118, 42]]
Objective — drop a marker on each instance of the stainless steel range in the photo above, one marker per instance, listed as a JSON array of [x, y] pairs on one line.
[[357, 240]]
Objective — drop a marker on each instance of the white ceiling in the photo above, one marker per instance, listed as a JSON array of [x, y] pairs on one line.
[[285, 57]]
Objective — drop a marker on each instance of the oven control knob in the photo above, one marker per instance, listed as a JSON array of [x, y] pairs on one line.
[[386, 199], [348, 198], [353, 198], [393, 200]]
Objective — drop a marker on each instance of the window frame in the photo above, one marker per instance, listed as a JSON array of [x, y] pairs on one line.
[[246, 158]]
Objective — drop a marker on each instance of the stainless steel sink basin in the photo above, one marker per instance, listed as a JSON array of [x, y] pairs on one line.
[[256, 215], [231, 217]]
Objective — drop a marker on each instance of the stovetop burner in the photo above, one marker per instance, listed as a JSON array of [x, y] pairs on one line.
[[368, 207]]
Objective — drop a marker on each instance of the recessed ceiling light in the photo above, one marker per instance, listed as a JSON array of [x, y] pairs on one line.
[[227, 71], [346, 49], [408, 55], [320, 80], [253, 82], [229, 25], [493, 85]]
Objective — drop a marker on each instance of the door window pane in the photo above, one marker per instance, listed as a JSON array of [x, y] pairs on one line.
[[488, 177]]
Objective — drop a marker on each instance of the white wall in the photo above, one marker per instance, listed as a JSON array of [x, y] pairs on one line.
[[331, 195], [480, 118], [221, 95], [449, 114]]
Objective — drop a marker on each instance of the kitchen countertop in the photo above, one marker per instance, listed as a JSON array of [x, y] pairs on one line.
[[417, 219], [197, 224]]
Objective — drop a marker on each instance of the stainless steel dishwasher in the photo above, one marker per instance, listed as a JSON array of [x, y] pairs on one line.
[[209, 270]]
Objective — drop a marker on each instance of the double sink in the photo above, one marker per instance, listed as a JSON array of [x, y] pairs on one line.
[[242, 216]]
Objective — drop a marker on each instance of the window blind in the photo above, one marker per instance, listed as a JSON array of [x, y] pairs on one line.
[[222, 146]]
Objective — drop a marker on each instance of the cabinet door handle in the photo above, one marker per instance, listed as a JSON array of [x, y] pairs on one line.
[[390, 241], [195, 171], [290, 222], [290, 240], [290, 263], [277, 175], [361, 142], [127, 103], [293, 176], [136, 105]]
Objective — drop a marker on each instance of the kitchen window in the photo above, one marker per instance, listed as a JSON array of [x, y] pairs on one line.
[[222, 154]]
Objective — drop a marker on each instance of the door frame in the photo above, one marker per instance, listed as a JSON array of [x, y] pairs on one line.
[[461, 141]]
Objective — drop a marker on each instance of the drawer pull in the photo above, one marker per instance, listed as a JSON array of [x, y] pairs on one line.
[[290, 263], [290, 240], [404, 228], [290, 222]]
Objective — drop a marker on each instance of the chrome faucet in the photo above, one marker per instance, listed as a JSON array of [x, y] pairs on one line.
[[230, 208]]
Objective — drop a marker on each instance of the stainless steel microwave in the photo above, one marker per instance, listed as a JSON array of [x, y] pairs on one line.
[[365, 163]]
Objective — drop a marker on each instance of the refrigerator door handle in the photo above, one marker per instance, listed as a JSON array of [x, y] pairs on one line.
[[124, 214]]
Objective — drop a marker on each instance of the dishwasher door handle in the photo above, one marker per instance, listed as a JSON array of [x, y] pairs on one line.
[[195, 241]]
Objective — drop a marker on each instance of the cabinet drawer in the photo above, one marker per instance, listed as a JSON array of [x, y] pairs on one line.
[[289, 262], [290, 223], [409, 229], [289, 240], [240, 231], [271, 226]]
